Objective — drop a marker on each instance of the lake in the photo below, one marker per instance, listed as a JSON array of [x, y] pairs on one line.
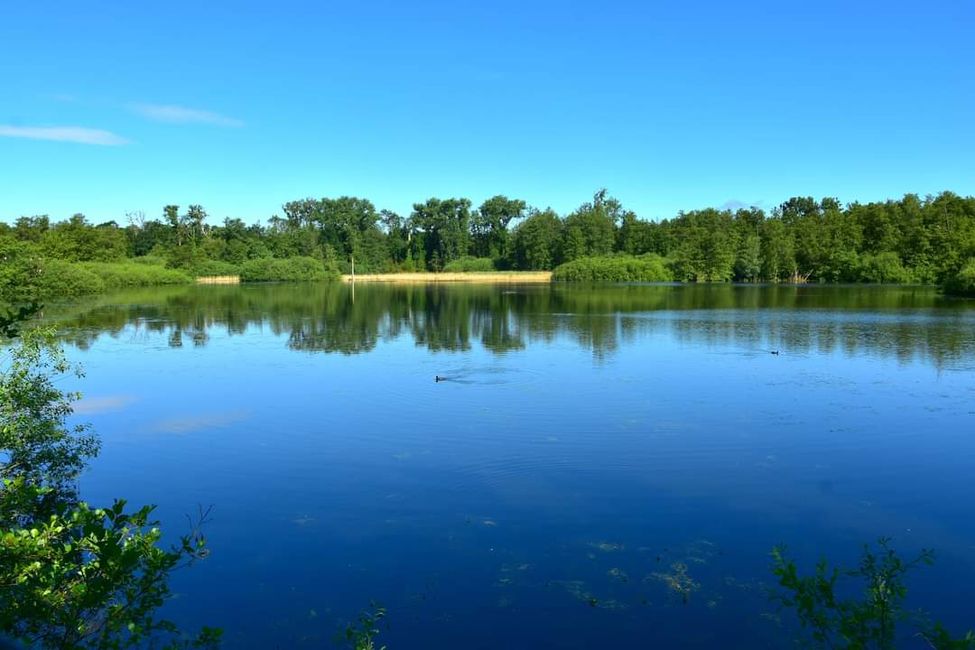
[[600, 467]]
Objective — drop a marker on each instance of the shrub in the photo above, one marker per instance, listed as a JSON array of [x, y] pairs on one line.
[[64, 279], [117, 275], [883, 268], [962, 283], [150, 260], [215, 267], [292, 269], [619, 268], [470, 265], [20, 266]]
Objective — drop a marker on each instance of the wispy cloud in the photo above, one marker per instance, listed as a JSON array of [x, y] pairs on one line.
[[77, 134], [735, 204], [93, 405], [200, 422], [184, 115]]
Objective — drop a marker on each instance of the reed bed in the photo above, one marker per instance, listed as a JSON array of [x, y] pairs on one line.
[[499, 277], [219, 279]]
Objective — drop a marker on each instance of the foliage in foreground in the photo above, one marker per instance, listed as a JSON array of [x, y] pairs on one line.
[[614, 268], [73, 576], [362, 634], [868, 621]]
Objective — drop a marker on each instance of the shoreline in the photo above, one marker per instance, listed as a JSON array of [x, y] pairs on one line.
[[493, 277]]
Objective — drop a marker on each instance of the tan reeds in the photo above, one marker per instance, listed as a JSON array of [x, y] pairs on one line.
[[218, 279], [503, 277]]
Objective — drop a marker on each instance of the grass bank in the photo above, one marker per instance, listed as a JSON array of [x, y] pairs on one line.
[[487, 277]]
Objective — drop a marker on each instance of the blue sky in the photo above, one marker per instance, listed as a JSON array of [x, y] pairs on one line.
[[111, 107]]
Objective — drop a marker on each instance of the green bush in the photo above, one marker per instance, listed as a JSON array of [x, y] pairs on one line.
[[292, 269], [150, 260], [618, 268], [470, 265], [215, 267], [64, 279], [20, 265], [117, 275], [962, 283], [43, 279], [883, 268]]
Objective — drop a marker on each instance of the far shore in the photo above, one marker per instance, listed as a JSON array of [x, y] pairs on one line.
[[534, 277]]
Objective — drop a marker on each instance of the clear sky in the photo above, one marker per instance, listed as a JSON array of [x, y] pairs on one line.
[[111, 107]]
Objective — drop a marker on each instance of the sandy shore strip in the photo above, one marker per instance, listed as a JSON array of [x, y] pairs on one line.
[[501, 277], [218, 279]]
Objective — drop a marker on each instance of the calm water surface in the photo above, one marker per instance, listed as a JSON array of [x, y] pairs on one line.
[[588, 445]]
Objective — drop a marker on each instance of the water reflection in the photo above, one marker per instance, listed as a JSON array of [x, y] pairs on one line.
[[903, 322]]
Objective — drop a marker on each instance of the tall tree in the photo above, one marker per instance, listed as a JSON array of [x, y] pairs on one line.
[[445, 224], [535, 240], [489, 226], [591, 230]]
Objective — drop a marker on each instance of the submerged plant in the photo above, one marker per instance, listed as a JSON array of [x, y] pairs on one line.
[[868, 621], [678, 581]]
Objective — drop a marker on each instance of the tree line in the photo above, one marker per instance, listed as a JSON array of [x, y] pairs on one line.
[[912, 239], [444, 317]]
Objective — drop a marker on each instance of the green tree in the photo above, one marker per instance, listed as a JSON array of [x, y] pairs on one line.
[[706, 246], [778, 251], [535, 240], [31, 229], [445, 225], [590, 230], [489, 226]]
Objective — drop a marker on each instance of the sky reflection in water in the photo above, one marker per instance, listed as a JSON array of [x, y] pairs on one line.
[[603, 464]]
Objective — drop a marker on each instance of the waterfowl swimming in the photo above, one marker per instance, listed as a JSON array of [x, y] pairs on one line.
[[775, 351], [438, 378]]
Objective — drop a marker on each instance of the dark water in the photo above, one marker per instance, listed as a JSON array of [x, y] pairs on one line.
[[588, 446]]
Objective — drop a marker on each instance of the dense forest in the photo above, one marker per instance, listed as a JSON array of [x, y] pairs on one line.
[[910, 240]]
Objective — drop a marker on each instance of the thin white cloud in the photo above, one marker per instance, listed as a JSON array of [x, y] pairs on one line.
[[183, 115], [77, 134], [94, 405], [200, 422]]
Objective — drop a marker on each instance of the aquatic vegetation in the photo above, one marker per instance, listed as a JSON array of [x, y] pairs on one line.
[[677, 580], [618, 574], [700, 551], [575, 588], [508, 568]]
